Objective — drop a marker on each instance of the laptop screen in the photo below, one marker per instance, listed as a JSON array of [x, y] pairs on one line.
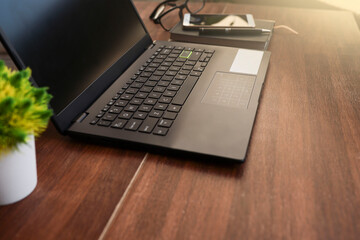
[[69, 44]]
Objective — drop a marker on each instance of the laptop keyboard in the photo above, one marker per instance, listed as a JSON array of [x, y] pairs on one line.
[[150, 101]]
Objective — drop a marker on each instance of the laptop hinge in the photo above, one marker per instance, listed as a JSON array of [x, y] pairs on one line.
[[152, 45], [80, 118]]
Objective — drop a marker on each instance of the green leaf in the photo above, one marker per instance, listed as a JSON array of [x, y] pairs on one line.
[[7, 105], [15, 80]]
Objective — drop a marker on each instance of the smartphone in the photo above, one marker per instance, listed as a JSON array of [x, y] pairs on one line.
[[197, 21]]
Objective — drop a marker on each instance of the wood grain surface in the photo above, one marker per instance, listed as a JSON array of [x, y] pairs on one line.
[[79, 185], [301, 179]]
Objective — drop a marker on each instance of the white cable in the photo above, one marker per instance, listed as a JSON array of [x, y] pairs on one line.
[[287, 28]]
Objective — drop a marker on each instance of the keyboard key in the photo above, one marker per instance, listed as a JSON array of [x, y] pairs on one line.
[[161, 106], [169, 93], [100, 114], [119, 124], [111, 102], [94, 121], [203, 64], [150, 69], [156, 113], [106, 108], [196, 74], [181, 60], [159, 73], [160, 131], [165, 100], [178, 64], [141, 95], [155, 95], [167, 78], [125, 86], [137, 85], [116, 97], [209, 51], [195, 56], [174, 68], [125, 115], [109, 117], [166, 51], [140, 115], [184, 72], [177, 82], [142, 80], [187, 67], [168, 64], [145, 74], [163, 83], [163, 68], [167, 61], [133, 125], [154, 78], [199, 69], [171, 73], [150, 84], [158, 60], [173, 55], [180, 77], [126, 96], [202, 57], [145, 108], [173, 88], [175, 51], [155, 65], [165, 123], [137, 101], [170, 115], [191, 63], [104, 123], [159, 89], [131, 108], [132, 90], [150, 101], [115, 109], [146, 89], [174, 108], [121, 103], [148, 125]]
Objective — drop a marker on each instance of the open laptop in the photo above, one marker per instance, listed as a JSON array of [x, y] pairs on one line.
[[111, 81]]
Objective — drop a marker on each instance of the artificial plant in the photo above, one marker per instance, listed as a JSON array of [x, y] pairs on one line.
[[23, 108]]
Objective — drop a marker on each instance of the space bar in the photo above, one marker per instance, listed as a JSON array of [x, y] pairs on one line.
[[185, 90]]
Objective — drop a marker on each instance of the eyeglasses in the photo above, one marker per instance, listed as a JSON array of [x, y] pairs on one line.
[[166, 15]]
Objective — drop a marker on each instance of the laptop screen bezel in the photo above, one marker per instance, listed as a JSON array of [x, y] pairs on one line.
[[78, 105]]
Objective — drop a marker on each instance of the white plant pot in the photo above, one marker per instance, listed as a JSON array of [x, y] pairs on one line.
[[18, 177]]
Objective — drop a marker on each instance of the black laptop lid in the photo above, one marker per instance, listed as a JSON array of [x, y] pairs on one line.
[[76, 48]]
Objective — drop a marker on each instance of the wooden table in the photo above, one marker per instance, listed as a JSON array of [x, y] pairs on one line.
[[301, 179]]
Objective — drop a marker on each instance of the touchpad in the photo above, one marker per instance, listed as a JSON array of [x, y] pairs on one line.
[[230, 90]]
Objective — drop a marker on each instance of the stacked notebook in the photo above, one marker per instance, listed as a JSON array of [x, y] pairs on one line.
[[258, 42]]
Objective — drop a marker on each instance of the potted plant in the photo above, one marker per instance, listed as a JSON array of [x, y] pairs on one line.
[[24, 113]]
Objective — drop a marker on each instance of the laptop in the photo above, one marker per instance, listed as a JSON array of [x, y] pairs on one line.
[[111, 82]]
